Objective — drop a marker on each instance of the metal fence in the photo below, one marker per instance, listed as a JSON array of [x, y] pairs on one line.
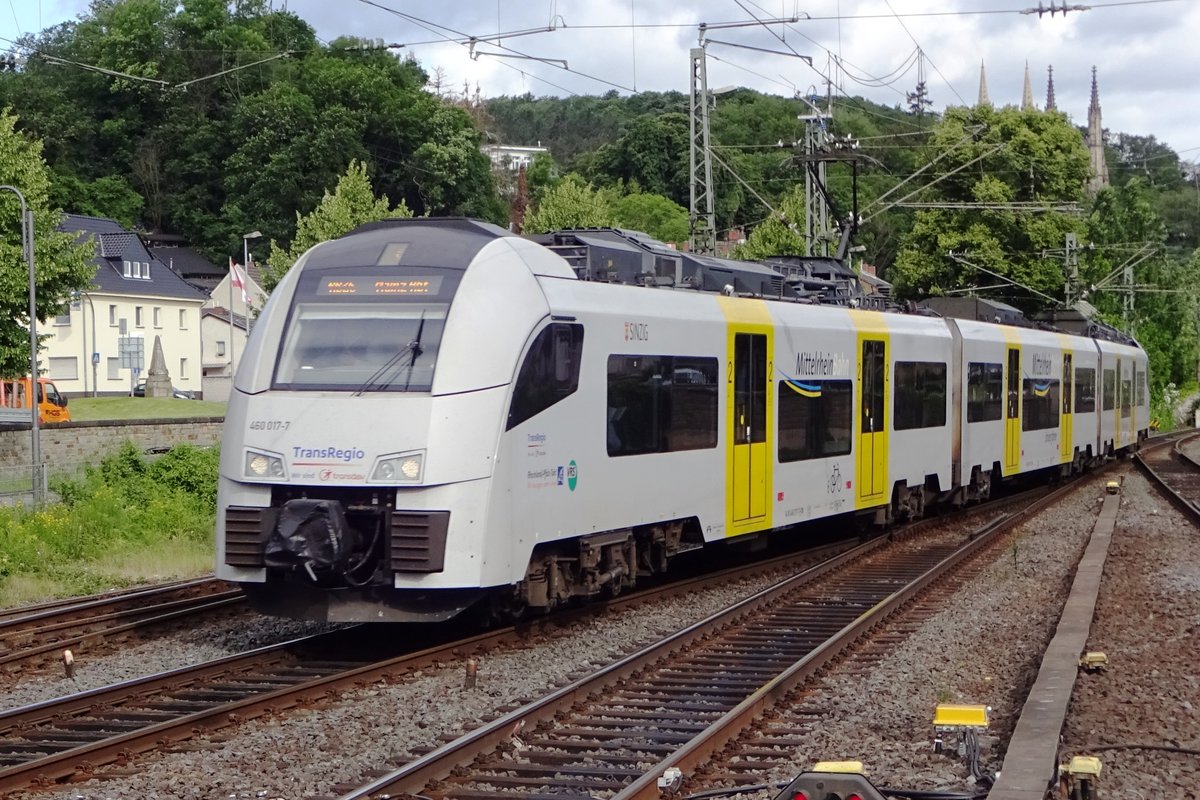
[[27, 484]]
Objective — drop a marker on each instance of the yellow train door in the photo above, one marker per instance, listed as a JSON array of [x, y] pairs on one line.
[[750, 457], [872, 460], [1012, 413], [1066, 449]]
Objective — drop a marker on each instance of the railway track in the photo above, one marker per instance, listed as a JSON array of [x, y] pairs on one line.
[[69, 737], [36, 634], [1174, 472], [679, 701]]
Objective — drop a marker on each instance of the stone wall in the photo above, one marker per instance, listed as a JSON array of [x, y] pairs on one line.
[[72, 443]]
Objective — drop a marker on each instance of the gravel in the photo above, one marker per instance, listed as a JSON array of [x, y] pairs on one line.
[[977, 651], [1148, 623], [310, 751]]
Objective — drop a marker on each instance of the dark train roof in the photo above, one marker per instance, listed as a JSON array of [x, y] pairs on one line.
[[615, 255], [428, 242]]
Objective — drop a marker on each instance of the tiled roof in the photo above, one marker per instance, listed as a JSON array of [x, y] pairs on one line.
[[222, 314], [114, 246]]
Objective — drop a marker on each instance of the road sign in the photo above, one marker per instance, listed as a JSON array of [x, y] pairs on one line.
[[132, 350], [95, 359]]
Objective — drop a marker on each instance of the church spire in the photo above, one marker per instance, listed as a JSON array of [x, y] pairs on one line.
[[983, 92], [1095, 141], [1027, 94], [1050, 104]]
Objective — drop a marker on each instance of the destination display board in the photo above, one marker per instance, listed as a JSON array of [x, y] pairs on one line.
[[378, 285]]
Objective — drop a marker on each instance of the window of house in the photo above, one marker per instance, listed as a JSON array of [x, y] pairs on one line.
[[128, 269], [62, 319], [183, 319], [138, 319], [220, 348], [64, 368], [157, 317], [146, 270], [112, 316], [1085, 390], [920, 394], [549, 373], [985, 391], [1040, 398], [183, 373], [815, 419], [660, 404], [114, 369], [1110, 390]]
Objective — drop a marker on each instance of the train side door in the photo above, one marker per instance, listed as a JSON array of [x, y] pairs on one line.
[[751, 381], [1012, 413], [1066, 439], [872, 463]]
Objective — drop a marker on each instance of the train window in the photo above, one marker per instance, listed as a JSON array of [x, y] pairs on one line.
[[1041, 404], [549, 373], [1110, 390], [365, 347], [1126, 396], [1141, 388], [815, 419], [1085, 390], [920, 395], [661, 404], [985, 391]]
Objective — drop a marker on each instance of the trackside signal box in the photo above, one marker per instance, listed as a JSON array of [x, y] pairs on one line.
[[842, 780]]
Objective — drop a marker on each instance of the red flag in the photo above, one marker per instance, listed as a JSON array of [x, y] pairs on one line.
[[235, 277]]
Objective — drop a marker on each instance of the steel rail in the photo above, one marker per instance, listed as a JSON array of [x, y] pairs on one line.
[[50, 608], [162, 614], [1173, 472]]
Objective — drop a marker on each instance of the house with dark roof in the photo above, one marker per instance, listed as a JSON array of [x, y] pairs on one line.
[[174, 251], [134, 296]]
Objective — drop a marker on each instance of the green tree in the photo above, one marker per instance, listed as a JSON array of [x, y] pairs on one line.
[[62, 264], [352, 203], [989, 160], [654, 214], [573, 203]]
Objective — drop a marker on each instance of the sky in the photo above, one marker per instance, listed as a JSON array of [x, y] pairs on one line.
[[1146, 51]]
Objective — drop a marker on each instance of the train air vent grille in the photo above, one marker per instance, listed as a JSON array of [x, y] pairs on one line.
[[418, 540], [245, 531]]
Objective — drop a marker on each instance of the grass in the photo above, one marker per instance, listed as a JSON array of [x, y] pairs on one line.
[[127, 521], [90, 409]]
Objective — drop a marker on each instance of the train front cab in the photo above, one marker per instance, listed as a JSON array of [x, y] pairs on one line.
[[433, 531]]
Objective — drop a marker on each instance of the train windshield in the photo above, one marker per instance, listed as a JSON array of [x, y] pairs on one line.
[[361, 347]]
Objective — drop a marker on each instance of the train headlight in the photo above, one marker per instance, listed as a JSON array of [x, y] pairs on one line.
[[264, 465], [401, 468]]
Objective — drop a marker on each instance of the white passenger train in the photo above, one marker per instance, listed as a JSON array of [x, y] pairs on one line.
[[433, 413]]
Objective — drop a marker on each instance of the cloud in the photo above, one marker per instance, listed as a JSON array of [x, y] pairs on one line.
[[1146, 54]]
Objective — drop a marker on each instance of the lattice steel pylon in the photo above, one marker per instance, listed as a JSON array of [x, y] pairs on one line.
[[702, 218], [816, 209]]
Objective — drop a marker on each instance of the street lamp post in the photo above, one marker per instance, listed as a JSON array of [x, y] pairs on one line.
[[95, 353], [27, 247], [246, 237]]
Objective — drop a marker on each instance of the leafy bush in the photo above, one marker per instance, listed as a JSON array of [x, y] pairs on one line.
[[120, 510]]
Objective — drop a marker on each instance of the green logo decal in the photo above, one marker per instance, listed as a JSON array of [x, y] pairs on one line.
[[572, 476]]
